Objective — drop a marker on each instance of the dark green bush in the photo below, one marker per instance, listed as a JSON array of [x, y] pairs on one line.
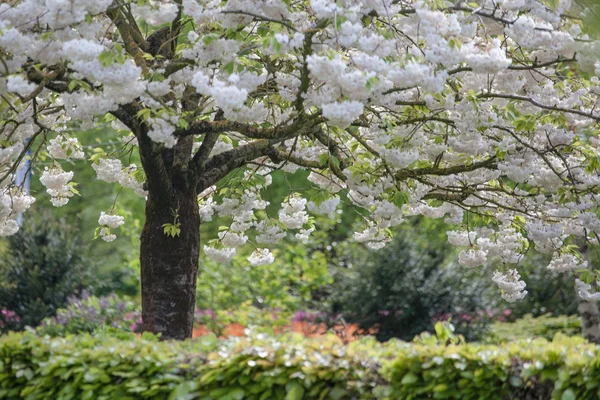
[[548, 292], [408, 285], [292, 367], [42, 267]]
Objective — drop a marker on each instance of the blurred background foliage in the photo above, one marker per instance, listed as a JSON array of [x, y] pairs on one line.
[[44, 264]]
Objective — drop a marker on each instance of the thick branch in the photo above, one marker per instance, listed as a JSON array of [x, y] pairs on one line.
[[455, 169], [538, 104], [128, 40], [206, 127], [281, 156], [217, 167], [157, 177]]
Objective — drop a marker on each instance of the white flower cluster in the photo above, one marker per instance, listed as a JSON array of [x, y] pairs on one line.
[[58, 185], [292, 214], [18, 84], [111, 170], [161, 131], [219, 255], [12, 203], [227, 96], [242, 212], [108, 222], [155, 12], [487, 61], [62, 147], [261, 257], [510, 285], [342, 114], [374, 237], [566, 262], [584, 291], [269, 233], [327, 207], [472, 257]]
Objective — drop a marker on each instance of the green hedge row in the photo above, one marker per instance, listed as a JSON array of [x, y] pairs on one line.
[[529, 327], [291, 367]]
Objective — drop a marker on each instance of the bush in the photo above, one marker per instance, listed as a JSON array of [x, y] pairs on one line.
[[548, 292], [90, 314], [41, 268], [566, 368], [409, 284], [108, 367], [529, 327], [292, 367]]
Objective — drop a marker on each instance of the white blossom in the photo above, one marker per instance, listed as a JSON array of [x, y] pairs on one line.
[[65, 147], [261, 257], [510, 285], [219, 255], [57, 184]]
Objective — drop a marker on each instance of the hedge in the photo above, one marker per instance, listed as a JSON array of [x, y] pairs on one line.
[[529, 327], [292, 367]]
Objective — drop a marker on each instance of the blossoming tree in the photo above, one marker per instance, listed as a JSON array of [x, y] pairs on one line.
[[484, 113]]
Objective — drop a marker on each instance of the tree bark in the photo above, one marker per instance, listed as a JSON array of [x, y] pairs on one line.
[[590, 320], [169, 264], [589, 313]]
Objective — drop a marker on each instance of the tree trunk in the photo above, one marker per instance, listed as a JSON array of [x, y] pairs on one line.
[[169, 264], [589, 313], [590, 320]]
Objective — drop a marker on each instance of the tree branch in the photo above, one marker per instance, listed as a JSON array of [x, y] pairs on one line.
[[455, 169], [217, 167], [536, 103], [157, 177], [131, 45]]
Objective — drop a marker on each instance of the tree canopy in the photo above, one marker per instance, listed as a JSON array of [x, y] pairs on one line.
[[483, 113]]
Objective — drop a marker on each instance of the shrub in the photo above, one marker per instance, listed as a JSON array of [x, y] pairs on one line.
[[109, 367], [89, 314], [292, 367], [41, 268], [529, 327], [566, 368], [407, 285], [548, 292]]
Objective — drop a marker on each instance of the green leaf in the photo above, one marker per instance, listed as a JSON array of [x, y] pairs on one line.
[[400, 198], [409, 379], [294, 391], [229, 67], [334, 160], [106, 58], [237, 394], [568, 394], [441, 387], [182, 123], [338, 393], [372, 82]]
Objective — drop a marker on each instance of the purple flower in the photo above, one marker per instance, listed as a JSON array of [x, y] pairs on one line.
[[299, 316]]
